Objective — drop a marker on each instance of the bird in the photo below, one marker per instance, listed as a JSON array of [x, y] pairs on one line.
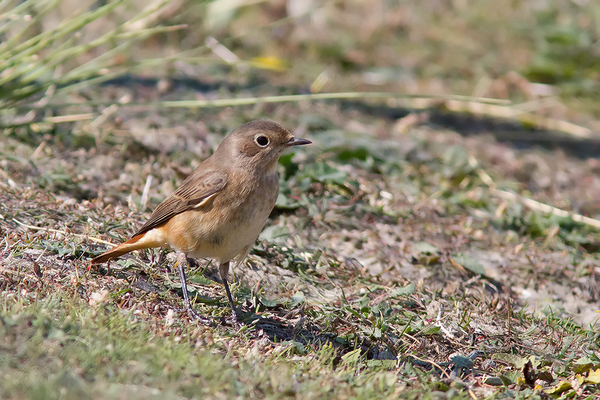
[[221, 207]]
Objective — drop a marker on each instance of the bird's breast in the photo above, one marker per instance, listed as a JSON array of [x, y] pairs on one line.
[[231, 224]]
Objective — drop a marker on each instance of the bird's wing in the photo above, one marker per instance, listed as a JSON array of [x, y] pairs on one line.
[[194, 192]]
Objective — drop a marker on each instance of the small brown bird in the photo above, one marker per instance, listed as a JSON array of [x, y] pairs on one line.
[[220, 209]]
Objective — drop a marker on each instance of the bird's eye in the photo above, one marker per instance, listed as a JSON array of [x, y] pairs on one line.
[[261, 140]]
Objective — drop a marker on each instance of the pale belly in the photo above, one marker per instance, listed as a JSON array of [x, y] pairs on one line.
[[233, 239]]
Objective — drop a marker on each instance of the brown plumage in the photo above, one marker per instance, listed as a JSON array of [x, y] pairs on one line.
[[220, 209]]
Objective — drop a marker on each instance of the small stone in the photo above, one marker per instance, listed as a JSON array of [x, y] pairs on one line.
[[437, 395], [493, 381], [98, 297], [488, 364]]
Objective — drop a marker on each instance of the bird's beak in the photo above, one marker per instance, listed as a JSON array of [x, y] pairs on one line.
[[298, 142]]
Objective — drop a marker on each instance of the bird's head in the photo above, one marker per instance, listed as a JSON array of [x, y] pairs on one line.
[[257, 145]]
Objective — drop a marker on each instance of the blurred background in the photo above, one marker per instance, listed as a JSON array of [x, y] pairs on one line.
[[525, 51], [77, 69]]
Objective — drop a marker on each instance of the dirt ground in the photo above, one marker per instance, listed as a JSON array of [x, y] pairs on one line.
[[398, 226]]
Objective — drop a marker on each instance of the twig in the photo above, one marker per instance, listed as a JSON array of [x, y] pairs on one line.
[[441, 326], [270, 99], [221, 51], [520, 114], [107, 112], [536, 205], [146, 193], [438, 366], [325, 96], [68, 118], [40, 228], [532, 204]]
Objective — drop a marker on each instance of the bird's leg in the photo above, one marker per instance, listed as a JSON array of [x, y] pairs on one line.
[[181, 262], [224, 271]]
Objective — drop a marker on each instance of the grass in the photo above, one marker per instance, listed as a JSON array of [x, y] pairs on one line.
[[402, 260], [66, 349], [42, 64], [59, 344]]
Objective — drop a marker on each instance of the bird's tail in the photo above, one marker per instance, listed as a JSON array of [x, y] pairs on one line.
[[132, 244]]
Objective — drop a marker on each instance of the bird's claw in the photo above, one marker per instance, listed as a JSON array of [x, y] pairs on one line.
[[194, 316]]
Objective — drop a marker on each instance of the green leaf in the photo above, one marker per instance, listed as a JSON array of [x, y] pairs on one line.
[[583, 365], [469, 263], [126, 263], [273, 232], [515, 360], [425, 253], [456, 160], [430, 330], [403, 291], [382, 364], [297, 298], [324, 173], [268, 303], [295, 347], [200, 280], [352, 357], [561, 387], [350, 154]]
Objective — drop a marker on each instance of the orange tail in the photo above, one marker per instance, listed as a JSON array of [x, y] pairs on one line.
[[132, 244]]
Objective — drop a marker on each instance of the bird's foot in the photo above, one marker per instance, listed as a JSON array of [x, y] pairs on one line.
[[194, 316], [235, 320]]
